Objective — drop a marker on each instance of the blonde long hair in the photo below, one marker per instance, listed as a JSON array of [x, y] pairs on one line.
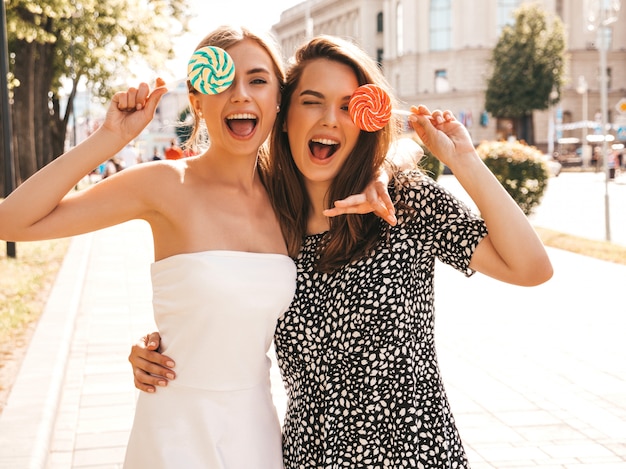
[[224, 37]]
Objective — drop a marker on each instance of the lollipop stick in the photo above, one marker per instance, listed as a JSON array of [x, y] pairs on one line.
[[401, 112]]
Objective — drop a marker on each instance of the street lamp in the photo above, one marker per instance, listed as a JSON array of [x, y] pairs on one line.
[[7, 132], [600, 15], [554, 94], [583, 89]]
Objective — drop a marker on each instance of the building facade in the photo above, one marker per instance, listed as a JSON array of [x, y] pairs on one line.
[[437, 52]]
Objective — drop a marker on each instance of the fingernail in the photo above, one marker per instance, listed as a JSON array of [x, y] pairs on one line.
[[151, 344], [170, 363], [169, 375], [149, 390], [162, 383]]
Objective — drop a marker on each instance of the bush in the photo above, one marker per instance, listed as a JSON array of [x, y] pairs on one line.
[[405, 153], [430, 164], [519, 168]]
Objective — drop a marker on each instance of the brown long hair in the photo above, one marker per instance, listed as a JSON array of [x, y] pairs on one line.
[[224, 37], [350, 236]]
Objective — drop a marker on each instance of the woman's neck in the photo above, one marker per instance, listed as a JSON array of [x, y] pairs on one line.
[[231, 169], [317, 222]]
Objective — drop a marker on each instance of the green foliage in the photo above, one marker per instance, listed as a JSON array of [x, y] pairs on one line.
[[430, 164], [184, 128], [519, 168], [528, 63], [96, 39], [54, 44]]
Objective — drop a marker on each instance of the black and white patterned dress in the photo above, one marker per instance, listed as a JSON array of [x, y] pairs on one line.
[[356, 348]]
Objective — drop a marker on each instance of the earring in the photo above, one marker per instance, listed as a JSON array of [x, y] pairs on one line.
[[277, 109]]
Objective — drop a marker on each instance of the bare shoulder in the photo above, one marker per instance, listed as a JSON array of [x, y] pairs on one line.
[[157, 172]]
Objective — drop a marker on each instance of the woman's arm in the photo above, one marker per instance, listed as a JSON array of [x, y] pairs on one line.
[[375, 198], [512, 251], [41, 207], [404, 154]]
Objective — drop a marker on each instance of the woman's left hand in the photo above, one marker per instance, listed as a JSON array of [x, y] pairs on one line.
[[445, 137], [375, 198]]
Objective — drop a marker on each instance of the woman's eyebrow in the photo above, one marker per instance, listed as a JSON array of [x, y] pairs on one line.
[[317, 94], [257, 70]]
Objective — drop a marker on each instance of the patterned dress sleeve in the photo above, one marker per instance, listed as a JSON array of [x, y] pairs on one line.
[[446, 225]]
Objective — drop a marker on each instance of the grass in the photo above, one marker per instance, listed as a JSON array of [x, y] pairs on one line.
[[25, 282], [602, 250]]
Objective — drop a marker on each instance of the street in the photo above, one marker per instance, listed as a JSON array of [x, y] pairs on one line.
[[574, 204]]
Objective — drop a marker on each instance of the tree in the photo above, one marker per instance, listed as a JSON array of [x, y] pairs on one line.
[[54, 42], [528, 64]]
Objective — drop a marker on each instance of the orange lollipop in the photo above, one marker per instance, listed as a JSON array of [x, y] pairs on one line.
[[370, 107]]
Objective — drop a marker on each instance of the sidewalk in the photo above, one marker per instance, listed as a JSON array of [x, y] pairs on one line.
[[536, 376], [73, 401]]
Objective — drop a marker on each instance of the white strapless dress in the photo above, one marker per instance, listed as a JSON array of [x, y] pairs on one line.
[[216, 312]]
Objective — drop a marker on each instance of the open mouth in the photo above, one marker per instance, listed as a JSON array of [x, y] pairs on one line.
[[323, 148], [242, 124]]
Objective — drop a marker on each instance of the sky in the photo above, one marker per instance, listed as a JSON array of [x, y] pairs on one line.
[[259, 15]]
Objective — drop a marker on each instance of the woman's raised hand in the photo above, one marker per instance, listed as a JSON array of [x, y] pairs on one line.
[[132, 110], [443, 135]]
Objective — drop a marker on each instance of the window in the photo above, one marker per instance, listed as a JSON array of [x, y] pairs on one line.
[[559, 8], [440, 25], [379, 22], [505, 12], [608, 78], [441, 81], [399, 30], [607, 40], [379, 57], [604, 36]]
